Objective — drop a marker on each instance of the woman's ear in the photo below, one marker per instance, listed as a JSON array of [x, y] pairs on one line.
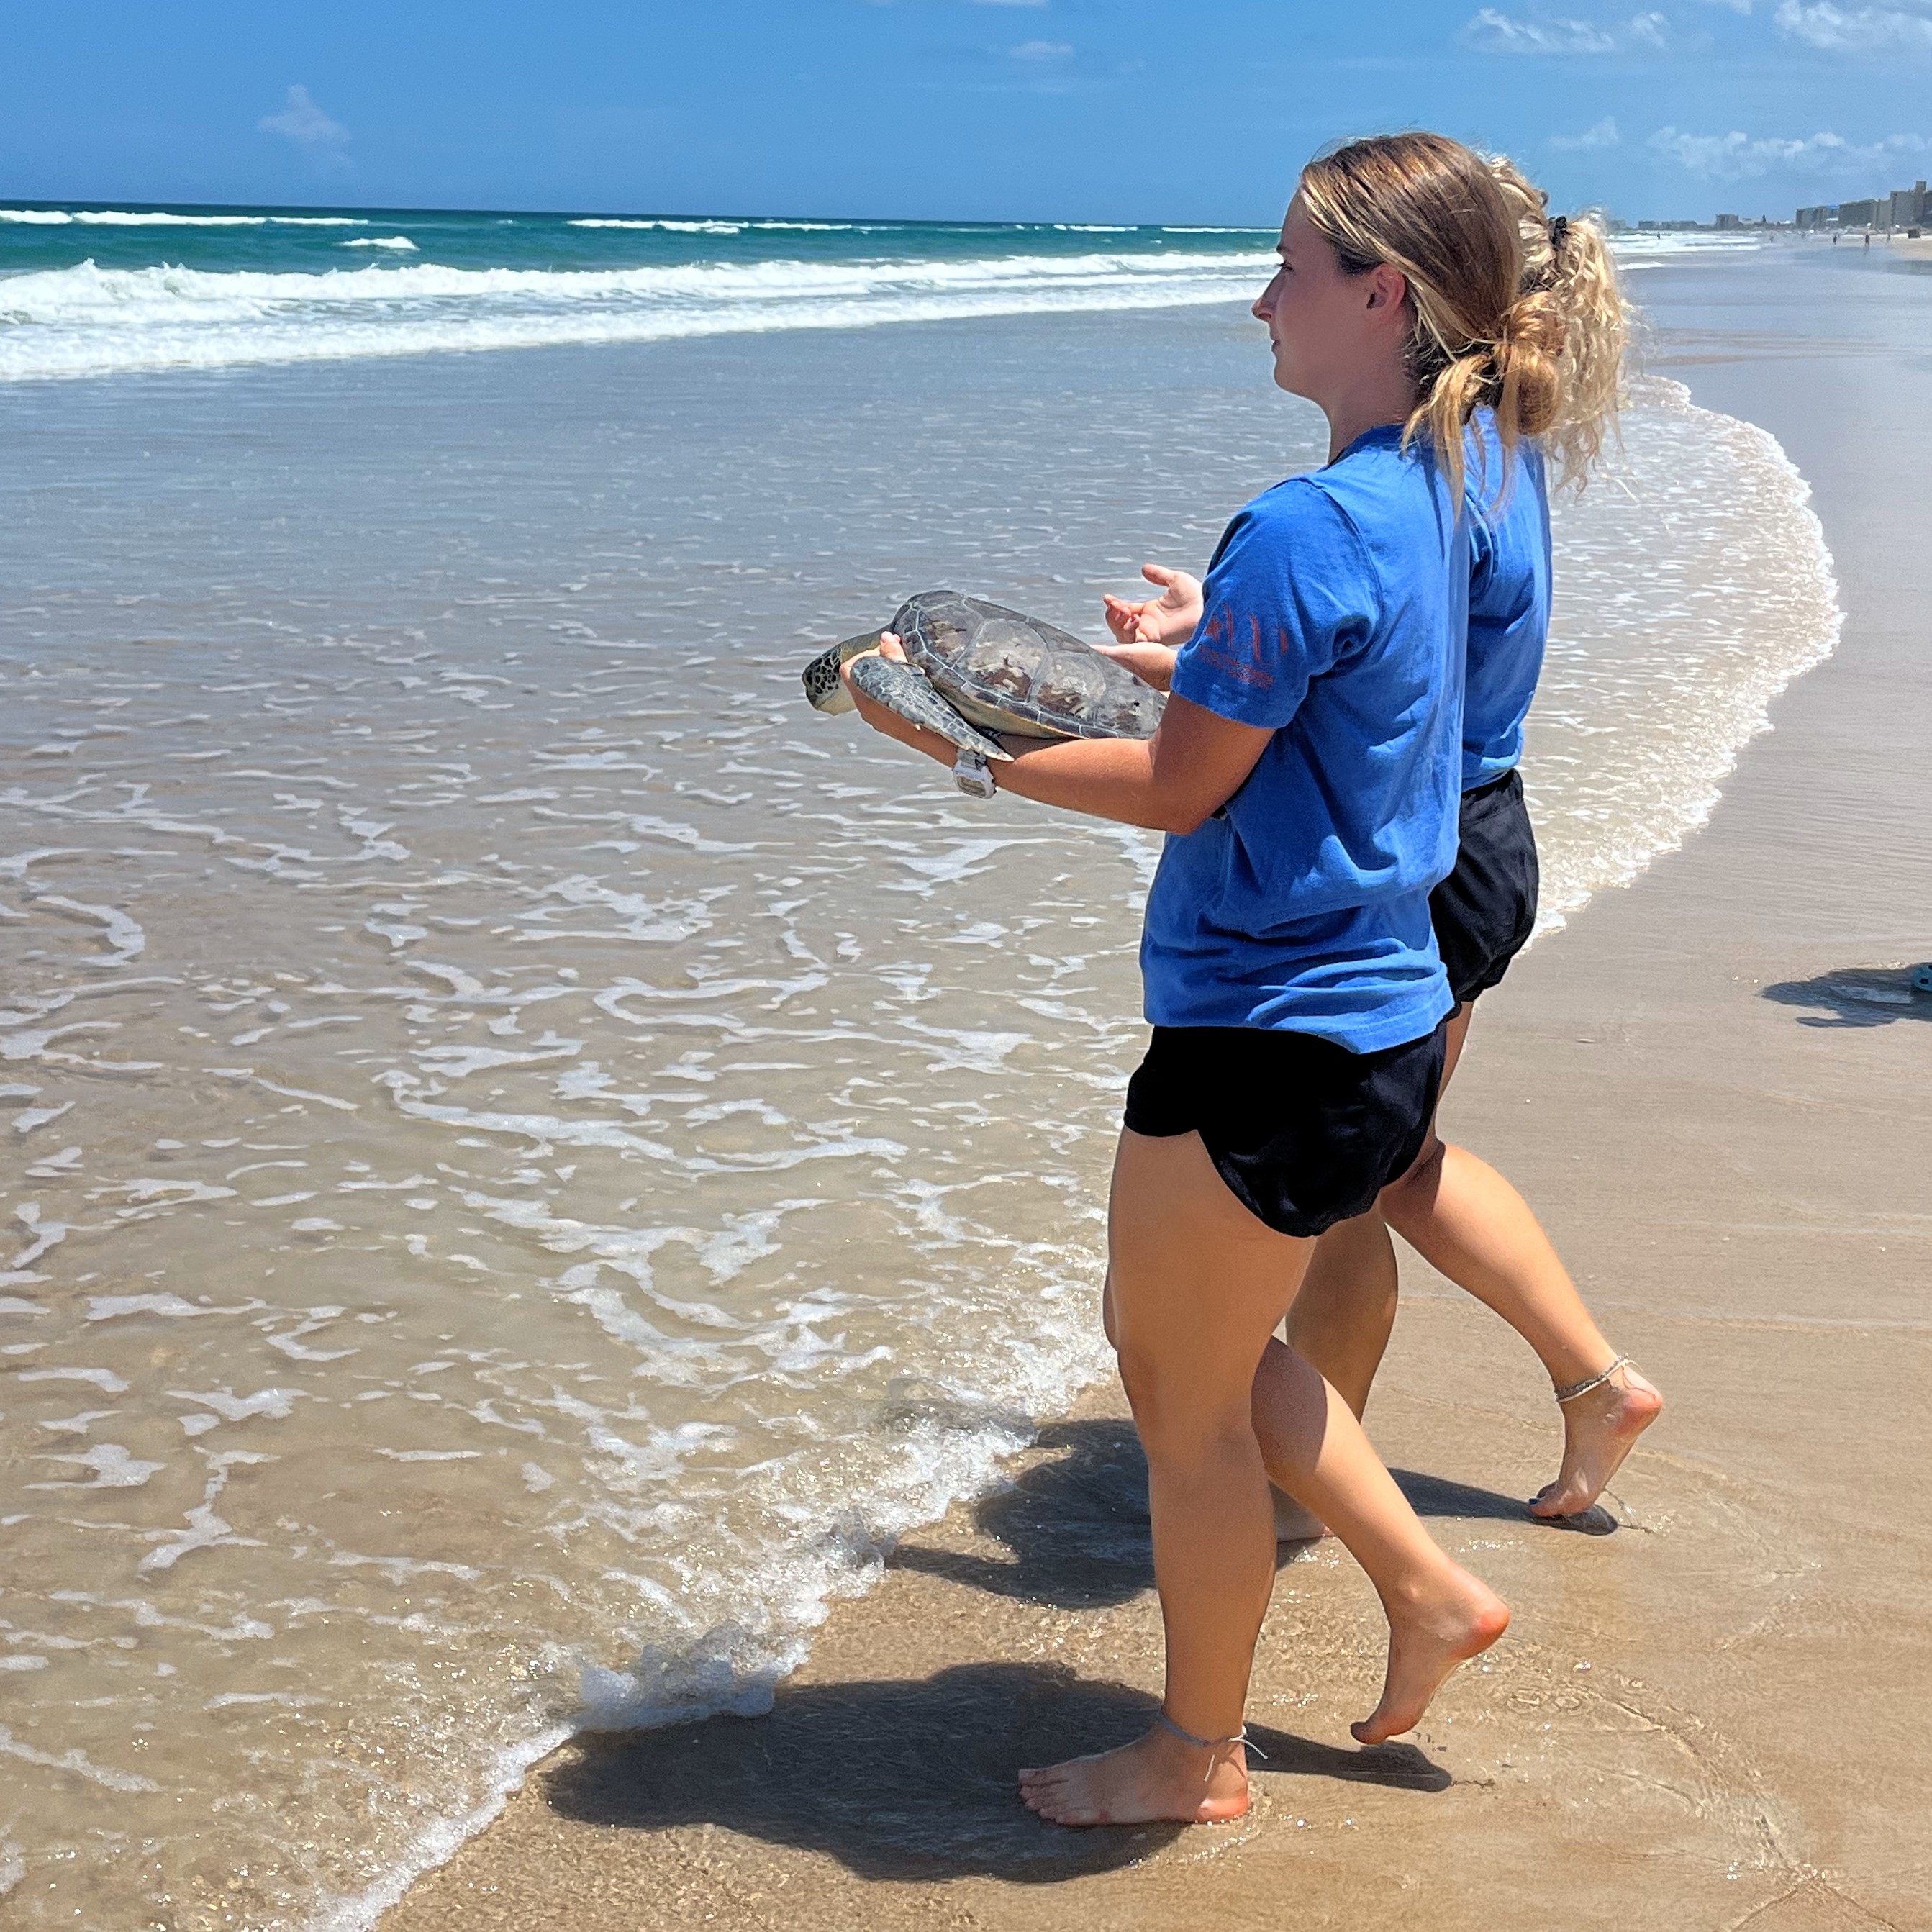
[[1388, 287]]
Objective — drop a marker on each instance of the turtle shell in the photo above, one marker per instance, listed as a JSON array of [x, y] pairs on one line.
[[1007, 672]]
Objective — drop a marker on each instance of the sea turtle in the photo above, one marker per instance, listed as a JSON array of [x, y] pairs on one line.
[[973, 667]]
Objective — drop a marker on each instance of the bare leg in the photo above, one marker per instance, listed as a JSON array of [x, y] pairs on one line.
[[1439, 1616], [1341, 1321], [1468, 1221], [1180, 1245], [1471, 1224]]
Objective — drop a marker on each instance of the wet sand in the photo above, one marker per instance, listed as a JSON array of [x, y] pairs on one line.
[[1715, 1087]]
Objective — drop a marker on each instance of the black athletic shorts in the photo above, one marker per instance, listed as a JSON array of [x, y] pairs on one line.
[[1304, 1132], [1484, 911]]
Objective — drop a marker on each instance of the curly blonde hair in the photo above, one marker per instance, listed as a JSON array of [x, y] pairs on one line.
[[1514, 312]]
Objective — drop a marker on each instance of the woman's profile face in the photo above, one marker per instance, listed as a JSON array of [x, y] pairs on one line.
[[1326, 325]]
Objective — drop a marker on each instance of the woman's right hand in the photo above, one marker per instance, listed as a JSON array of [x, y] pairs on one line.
[[1169, 619]]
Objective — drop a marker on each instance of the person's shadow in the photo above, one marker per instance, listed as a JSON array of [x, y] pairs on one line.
[[1854, 996], [1076, 1524], [915, 1779]]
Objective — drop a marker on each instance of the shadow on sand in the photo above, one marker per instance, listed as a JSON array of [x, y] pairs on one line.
[[915, 1779], [1077, 1525], [1854, 996]]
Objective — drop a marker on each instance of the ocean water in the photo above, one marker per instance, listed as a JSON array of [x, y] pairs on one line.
[[530, 1156], [94, 292], [88, 292]]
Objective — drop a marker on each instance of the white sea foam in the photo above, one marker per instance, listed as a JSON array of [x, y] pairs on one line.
[[401, 243], [1650, 693], [664, 223], [92, 321], [1637, 246], [111, 218]]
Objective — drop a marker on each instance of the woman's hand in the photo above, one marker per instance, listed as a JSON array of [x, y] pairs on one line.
[[890, 722], [1152, 664], [1169, 619]]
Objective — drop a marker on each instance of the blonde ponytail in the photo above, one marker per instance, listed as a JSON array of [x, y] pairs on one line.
[[1570, 295], [1513, 313]]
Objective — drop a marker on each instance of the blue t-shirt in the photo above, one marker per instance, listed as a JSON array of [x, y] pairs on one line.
[[1508, 506], [1336, 609]]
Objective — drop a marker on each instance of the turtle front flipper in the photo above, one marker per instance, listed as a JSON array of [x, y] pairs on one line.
[[901, 688], [824, 688]]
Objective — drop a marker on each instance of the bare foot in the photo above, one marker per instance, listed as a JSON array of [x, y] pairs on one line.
[[1599, 1430], [1293, 1521], [1156, 1777], [1458, 1618]]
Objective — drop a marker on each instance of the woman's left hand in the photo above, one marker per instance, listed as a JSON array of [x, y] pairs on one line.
[[890, 722], [1152, 664]]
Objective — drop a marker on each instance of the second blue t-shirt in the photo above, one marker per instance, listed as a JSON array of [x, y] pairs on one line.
[[1336, 611], [1508, 500]]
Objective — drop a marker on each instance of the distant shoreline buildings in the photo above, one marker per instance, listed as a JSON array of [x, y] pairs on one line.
[[1909, 209], [1905, 211]]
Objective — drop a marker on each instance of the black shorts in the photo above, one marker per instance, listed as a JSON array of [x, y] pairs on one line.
[[1304, 1132], [1485, 910]]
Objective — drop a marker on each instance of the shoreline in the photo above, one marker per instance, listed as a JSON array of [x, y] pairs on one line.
[[674, 1826]]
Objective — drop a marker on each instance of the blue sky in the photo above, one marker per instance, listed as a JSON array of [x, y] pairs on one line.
[[1173, 110]]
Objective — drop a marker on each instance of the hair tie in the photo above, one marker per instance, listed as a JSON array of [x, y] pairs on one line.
[[1558, 229]]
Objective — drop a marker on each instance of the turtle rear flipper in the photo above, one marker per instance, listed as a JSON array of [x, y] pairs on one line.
[[901, 688], [824, 688]]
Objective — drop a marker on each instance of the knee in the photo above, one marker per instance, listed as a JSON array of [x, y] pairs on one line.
[[1183, 1426]]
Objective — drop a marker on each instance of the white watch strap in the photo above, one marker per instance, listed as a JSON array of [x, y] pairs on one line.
[[973, 775]]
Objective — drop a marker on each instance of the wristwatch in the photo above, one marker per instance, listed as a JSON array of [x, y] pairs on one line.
[[973, 775]]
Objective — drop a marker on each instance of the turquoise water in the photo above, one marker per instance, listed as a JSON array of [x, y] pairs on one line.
[[94, 290]]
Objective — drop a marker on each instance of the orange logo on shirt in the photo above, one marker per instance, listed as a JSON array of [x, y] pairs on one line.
[[1219, 630]]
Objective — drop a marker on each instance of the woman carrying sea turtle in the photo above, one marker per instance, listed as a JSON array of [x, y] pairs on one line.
[[1307, 769], [1452, 1207]]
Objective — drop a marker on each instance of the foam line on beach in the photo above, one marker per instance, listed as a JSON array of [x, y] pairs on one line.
[[1771, 615]]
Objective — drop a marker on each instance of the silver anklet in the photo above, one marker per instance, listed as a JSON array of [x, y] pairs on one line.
[[1584, 1388], [1214, 1745]]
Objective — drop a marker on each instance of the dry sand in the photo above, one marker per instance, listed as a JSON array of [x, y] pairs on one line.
[[1717, 1089]]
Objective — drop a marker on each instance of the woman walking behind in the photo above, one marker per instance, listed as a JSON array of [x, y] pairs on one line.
[[1307, 770]]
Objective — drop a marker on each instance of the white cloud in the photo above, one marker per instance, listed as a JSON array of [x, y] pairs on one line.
[[1738, 156], [302, 121], [1853, 29], [1491, 32], [1042, 50], [1604, 134]]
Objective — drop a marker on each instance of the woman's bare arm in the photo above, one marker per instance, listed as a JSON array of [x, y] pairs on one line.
[[1171, 782]]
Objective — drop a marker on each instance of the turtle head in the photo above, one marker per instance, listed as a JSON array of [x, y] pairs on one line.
[[824, 688]]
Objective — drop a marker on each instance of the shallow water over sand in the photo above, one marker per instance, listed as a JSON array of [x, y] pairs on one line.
[[531, 1154]]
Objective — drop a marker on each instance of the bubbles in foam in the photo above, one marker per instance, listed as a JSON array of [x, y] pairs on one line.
[[1693, 585]]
